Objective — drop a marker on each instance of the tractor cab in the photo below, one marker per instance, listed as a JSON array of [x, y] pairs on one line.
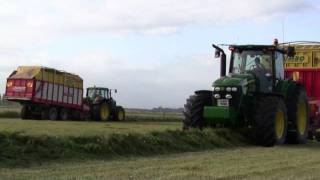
[[96, 92], [264, 63]]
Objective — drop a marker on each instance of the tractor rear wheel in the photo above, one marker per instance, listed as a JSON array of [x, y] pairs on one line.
[[270, 122], [120, 114], [101, 112], [53, 113], [298, 115], [193, 109]]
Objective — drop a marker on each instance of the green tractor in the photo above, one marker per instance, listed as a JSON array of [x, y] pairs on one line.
[[255, 95], [102, 106]]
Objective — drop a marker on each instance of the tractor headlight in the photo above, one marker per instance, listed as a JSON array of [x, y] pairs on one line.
[[228, 96], [217, 96], [217, 89], [234, 89], [228, 89]]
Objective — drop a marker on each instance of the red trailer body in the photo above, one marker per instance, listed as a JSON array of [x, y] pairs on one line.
[[41, 89], [36, 91], [305, 68]]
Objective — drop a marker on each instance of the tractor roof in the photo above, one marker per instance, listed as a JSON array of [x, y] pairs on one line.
[[251, 46], [257, 47]]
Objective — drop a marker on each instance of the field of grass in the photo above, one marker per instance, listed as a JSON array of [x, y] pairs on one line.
[[82, 128], [147, 146], [282, 162]]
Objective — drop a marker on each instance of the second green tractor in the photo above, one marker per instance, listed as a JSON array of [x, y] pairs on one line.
[[102, 106]]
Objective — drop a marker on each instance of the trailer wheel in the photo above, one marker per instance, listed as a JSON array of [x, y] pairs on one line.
[[120, 114], [25, 112], [271, 122], [298, 115], [64, 114], [193, 109], [44, 114], [53, 113]]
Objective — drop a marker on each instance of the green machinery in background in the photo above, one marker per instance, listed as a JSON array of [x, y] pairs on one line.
[[254, 95], [102, 106]]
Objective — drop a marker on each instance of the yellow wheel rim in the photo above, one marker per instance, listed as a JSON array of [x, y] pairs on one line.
[[120, 115], [279, 124], [302, 118], [104, 112]]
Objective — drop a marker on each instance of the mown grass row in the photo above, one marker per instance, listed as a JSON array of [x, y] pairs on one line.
[[129, 117], [22, 150], [9, 114]]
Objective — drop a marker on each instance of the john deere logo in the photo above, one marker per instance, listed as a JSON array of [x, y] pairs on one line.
[[297, 59]]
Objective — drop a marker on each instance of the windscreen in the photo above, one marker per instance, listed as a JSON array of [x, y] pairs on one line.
[[251, 60]]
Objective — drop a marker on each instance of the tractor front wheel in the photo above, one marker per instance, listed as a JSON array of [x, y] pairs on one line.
[[270, 122], [193, 109], [120, 114]]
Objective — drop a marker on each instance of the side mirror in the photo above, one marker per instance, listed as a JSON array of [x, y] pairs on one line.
[[217, 54], [115, 90], [290, 51]]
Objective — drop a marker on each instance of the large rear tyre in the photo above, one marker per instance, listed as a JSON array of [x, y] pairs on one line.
[[298, 115], [193, 109], [101, 112], [120, 114], [270, 122], [53, 113]]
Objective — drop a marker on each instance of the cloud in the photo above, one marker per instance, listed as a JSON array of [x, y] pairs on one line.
[[28, 25], [37, 20]]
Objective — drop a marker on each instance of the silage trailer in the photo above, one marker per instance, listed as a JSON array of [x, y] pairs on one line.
[[47, 93]]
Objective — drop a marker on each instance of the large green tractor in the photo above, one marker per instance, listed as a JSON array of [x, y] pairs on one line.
[[254, 95], [102, 106]]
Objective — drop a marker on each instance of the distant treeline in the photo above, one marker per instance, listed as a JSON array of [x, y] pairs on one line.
[[158, 109], [164, 109]]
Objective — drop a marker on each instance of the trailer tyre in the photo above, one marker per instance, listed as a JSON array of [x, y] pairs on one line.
[[298, 115], [53, 113], [193, 109], [64, 114], [120, 114], [25, 112], [270, 122]]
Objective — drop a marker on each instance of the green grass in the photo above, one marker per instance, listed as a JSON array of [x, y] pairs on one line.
[[82, 128], [22, 150], [281, 162]]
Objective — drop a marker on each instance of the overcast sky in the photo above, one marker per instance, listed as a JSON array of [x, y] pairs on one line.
[[156, 53]]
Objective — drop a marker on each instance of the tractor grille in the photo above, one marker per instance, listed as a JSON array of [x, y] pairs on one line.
[[234, 101]]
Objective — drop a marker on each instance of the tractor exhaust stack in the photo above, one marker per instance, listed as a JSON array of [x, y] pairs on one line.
[[223, 64]]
